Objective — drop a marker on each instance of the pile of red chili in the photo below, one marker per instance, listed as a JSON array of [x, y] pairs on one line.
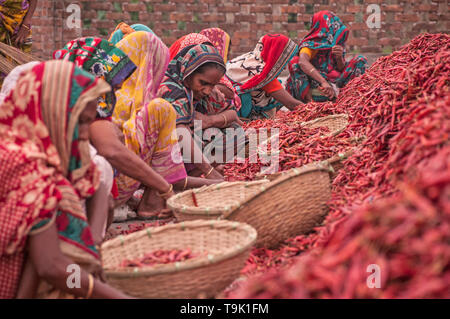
[[158, 257], [390, 203]]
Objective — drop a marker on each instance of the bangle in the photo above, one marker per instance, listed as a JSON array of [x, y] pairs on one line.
[[28, 26], [312, 70], [185, 183], [166, 193], [209, 173], [225, 118], [91, 287]]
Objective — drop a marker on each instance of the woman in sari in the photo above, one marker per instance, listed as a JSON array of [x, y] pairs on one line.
[[123, 29], [189, 84], [148, 124], [254, 76], [46, 171], [321, 62]]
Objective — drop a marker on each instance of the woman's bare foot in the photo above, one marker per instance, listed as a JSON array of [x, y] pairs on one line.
[[153, 206]]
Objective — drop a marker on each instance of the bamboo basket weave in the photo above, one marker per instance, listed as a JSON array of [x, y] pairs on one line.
[[227, 245], [291, 205], [335, 123], [10, 57]]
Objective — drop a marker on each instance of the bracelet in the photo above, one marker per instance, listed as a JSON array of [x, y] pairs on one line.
[[28, 26], [166, 193], [185, 183], [312, 70], [225, 118], [209, 173], [91, 287]]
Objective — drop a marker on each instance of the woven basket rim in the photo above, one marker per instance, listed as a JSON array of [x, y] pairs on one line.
[[172, 204], [294, 172], [184, 265]]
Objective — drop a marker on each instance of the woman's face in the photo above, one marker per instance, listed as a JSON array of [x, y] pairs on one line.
[[203, 83], [86, 118]]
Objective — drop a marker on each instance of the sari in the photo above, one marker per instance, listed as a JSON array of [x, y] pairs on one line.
[[102, 59], [123, 29], [251, 72], [45, 169], [13, 77], [327, 31], [147, 122], [172, 89], [12, 13], [191, 39]]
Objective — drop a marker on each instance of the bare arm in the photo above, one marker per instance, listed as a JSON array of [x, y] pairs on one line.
[[311, 71], [51, 265], [104, 138], [30, 13], [97, 212], [286, 99], [221, 120]]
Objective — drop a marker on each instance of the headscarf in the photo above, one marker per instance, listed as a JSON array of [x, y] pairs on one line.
[[10, 81], [256, 69], [220, 39], [191, 39], [43, 166], [123, 29], [327, 30], [151, 56], [183, 65], [102, 59]]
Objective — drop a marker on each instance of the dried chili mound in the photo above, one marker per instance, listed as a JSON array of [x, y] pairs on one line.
[[115, 230], [159, 257], [405, 239], [402, 106]]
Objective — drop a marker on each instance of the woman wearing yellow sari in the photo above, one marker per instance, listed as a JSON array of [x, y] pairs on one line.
[[148, 122]]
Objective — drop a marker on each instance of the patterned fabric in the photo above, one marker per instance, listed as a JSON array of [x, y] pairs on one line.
[[148, 123], [327, 31], [250, 72], [197, 38], [102, 59], [173, 90], [11, 80], [123, 29], [44, 168], [220, 39], [12, 13]]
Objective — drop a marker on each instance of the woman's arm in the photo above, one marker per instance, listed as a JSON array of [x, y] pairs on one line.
[[26, 23], [51, 265], [338, 52], [286, 99], [187, 142], [97, 208], [221, 120], [311, 71], [104, 138]]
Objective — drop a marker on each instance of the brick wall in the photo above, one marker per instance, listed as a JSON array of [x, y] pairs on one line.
[[244, 20]]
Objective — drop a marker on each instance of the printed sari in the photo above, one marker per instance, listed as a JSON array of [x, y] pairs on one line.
[[251, 72], [123, 29], [12, 13], [102, 59], [172, 89], [45, 169], [327, 31], [147, 122]]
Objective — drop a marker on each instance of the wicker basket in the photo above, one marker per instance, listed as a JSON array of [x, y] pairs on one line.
[[227, 243], [291, 205], [335, 123]]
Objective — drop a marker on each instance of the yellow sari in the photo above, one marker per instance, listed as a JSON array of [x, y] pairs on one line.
[[147, 122]]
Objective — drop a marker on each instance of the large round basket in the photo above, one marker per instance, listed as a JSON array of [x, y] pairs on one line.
[[291, 205], [335, 123], [227, 245]]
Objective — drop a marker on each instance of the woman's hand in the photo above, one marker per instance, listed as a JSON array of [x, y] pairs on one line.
[[21, 35], [337, 51], [327, 89]]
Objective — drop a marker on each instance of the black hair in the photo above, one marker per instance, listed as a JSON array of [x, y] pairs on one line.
[[208, 65]]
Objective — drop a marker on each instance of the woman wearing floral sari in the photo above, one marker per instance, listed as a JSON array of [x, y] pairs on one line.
[[321, 61], [148, 124], [254, 77], [46, 171]]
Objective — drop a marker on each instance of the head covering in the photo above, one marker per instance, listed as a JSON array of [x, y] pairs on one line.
[[254, 70], [102, 59], [44, 167], [186, 41], [184, 64], [10, 81], [327, 30], [123, 29], [151, 56], [220, 39]]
